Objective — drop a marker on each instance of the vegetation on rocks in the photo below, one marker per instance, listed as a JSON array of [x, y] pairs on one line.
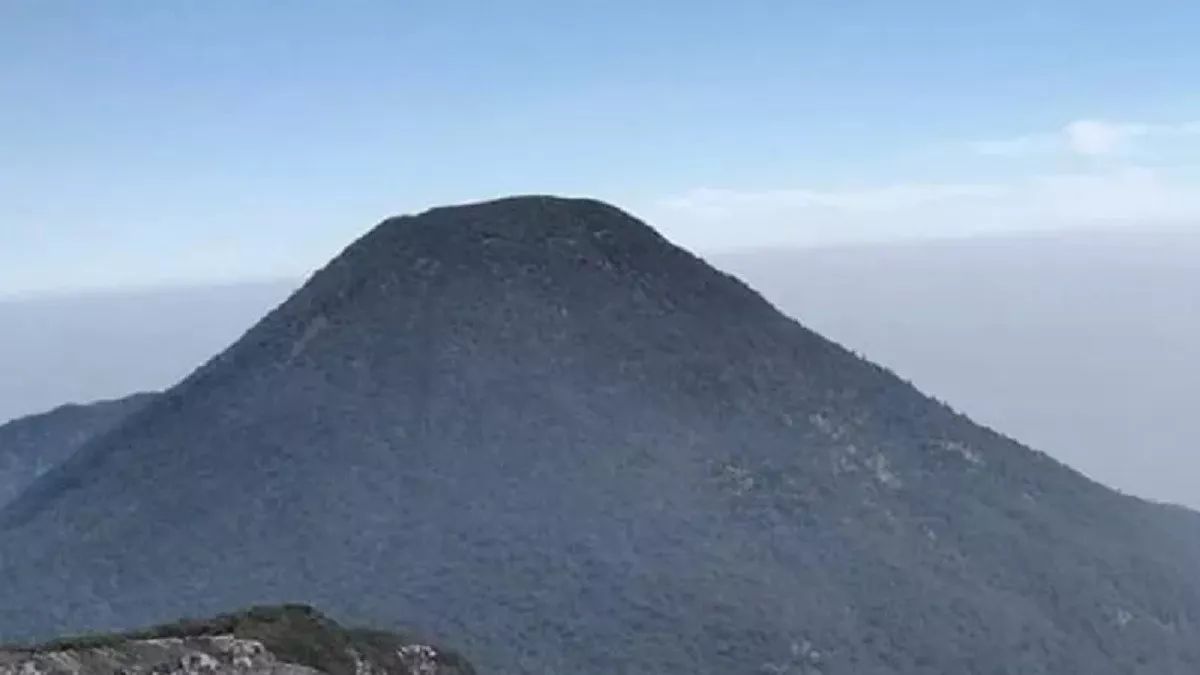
[[266, 639]]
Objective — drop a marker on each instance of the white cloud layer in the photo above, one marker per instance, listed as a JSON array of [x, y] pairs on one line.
[[1085, 138], [715, 219], [1093, 138], [1123, 174]]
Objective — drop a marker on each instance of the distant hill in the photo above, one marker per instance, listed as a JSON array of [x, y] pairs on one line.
[[1085, 345], [572, 447], [285, 640], [32, 445]]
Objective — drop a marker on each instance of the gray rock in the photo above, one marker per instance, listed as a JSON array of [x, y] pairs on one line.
[[262, 641]]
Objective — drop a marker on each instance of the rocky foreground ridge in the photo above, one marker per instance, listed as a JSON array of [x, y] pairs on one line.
[[283, 640]]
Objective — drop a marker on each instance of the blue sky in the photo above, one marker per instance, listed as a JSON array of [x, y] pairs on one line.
[[158, 142]]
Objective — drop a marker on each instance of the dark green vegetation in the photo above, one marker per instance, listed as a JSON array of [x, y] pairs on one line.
[[565, 445], [295, 634], [33, 445]]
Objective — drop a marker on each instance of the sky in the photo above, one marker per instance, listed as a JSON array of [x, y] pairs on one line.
[[146, 143]]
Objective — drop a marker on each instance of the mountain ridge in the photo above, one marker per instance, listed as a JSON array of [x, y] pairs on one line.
[[30, 446]]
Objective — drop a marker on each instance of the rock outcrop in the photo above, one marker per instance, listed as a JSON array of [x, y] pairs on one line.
[[286, 640]]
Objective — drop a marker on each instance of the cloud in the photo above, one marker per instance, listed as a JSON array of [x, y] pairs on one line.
[[714, 219], [712, 201], [1094, 138], [1089, 138], [1104, 188]]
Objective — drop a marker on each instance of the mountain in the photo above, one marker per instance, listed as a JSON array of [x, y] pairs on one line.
[[977, 321], [980, 322], [570, 446], [1085, 345], [30, 446], [285, 640], [103, 345]]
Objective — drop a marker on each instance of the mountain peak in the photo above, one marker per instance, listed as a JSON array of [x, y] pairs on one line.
[[530, 216], [575, 256], [523, 229]]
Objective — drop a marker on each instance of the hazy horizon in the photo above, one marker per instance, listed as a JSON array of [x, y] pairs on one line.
[[1186, 232]]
